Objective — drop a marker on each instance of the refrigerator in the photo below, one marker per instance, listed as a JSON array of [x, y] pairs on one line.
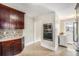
[[76, 28], [76, 35]]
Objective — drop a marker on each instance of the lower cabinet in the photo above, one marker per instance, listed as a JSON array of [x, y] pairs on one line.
[[63, 40], [6, 48], [0, 49], [12, 47]]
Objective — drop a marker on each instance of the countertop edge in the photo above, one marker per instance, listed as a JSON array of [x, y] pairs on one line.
[[10, 39]]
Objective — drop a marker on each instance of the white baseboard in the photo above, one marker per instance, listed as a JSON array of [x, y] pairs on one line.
[[27, 44]]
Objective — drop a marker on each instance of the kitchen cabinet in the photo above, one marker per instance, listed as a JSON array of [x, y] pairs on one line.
[[0, 49], [11, 47], [4, 16], [6, 47], [62, 40], [11, 18], [17, 18]]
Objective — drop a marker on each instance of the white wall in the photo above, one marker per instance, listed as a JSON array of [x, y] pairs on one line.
[[40, 20], [37, 29], [32, 30], [29, 30]]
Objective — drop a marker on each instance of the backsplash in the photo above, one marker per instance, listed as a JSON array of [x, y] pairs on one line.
[[10, 33]]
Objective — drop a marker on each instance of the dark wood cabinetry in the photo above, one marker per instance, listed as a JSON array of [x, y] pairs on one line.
[[4, 16], [0, 49], [17, 19], [11, 18], [12, 47]]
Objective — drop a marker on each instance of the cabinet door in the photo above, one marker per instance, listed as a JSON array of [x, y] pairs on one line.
[[11, 18], [12, 47], [0, 49], [5, 48], [18, 19], [4, 17], [17, 46], [22, 42], [8, 48]]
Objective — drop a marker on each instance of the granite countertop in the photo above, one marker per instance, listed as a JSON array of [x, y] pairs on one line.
[[11, 38], [10, 34]]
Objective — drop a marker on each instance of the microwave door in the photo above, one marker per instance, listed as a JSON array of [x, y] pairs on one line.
[[75, 31]]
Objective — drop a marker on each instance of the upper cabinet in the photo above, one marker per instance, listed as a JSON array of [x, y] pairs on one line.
[[11, 18], [4, 16]]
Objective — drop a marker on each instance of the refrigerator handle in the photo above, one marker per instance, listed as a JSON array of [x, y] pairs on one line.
[[75, 31]]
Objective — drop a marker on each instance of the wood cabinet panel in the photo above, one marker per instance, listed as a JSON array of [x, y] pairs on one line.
[[17, 18], [6, 48], [4, 16], [12, 47], [4, 13], [11, 18], [0, 49]]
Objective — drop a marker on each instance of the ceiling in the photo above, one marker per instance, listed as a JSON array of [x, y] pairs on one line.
[[63, 10]]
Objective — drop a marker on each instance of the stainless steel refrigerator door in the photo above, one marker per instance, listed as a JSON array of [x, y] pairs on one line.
[[75, 31]]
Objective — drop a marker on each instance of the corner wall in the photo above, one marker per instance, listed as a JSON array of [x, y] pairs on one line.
[[42, 19]]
